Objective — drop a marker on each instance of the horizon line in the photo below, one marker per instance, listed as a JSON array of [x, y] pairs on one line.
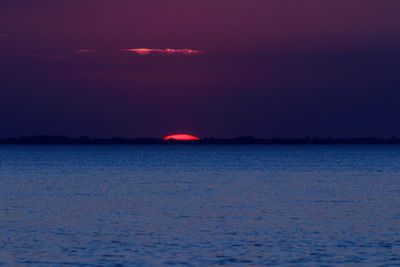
[[85, 140]]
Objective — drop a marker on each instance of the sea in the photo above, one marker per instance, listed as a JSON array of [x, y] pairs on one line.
[[200, 205]]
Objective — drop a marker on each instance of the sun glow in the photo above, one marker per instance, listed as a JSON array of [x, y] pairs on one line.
[[181, 137]]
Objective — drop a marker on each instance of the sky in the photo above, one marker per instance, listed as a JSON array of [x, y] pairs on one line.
[[211, 68]]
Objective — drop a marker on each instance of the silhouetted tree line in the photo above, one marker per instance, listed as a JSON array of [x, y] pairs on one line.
[[62, 140]]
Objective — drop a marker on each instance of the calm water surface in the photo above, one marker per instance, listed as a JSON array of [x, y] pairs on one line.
[[199, 205]]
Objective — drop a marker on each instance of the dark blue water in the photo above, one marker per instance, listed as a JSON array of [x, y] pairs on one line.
[[199, 205]]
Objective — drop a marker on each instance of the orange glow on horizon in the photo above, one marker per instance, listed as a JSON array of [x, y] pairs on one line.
[[181, 137]]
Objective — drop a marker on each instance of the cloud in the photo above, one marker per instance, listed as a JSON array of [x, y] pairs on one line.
[[168, 51], [3, 35], [84, 51]]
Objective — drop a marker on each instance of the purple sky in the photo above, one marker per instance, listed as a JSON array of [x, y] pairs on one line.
[[223, 68]]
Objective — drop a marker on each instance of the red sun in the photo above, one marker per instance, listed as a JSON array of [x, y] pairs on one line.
[[181, 137]]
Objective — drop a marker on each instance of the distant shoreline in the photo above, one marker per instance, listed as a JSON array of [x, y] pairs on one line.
[[62, 140]]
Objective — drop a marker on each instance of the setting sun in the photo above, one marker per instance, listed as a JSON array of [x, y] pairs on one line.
[[181, 137]]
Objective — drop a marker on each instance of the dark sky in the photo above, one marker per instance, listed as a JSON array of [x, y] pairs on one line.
[[280, 68]]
